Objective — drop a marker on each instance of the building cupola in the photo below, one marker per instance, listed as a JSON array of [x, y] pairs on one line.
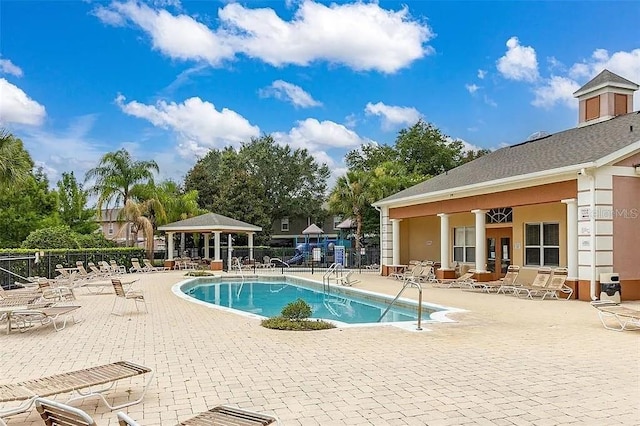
[[606, 96]]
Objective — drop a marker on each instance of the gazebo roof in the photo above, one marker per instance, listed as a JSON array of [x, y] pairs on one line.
[[312, 230], [347, 224], [209, 222]]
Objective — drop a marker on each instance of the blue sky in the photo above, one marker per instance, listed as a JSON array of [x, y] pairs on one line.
[[170, 79]]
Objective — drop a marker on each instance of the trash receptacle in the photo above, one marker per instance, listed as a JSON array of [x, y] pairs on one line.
[[610, 287]]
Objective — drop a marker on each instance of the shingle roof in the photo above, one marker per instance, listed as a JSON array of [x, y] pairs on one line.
[[605, 77], [212, 221], [570, 147]]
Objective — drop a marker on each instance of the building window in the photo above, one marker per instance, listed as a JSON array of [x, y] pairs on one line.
[[110, 230], [542, 244], [464, 244], [337, 220], [284, 224], [501, 215]]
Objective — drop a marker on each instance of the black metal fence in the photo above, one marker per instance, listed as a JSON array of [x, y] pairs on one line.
[[14, 267]]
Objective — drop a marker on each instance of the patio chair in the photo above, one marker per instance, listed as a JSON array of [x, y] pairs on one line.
[[346, 280], [624, 318], [99, 272], [86, 383], [118, 269], [504, 283], [537, 285], [462, 280], [556, 285], [135, 266], [123, 295], [266, 262], [150, 268], [226, 415], [55, 413], [26, 318]]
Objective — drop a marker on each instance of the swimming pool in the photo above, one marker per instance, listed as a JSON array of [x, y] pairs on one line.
[[266, 296]]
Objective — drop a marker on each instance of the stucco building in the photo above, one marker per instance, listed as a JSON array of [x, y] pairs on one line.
[[567, 199]]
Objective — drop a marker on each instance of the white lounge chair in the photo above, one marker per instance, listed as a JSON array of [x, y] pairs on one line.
[[123, 295], [624, 318]]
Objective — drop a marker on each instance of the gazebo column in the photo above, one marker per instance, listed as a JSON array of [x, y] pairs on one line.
[[206, 245], [395, 231], [216, 245], [170, 245], [216, 263], [169, 262], [250, 235]]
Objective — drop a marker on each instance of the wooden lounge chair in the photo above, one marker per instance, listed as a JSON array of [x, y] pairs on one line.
[[81, 383], [625, 318], [122, 295], [225, 415]]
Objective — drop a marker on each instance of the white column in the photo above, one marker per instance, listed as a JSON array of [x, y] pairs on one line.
[[170, 245], [445, 263], [229, 252], [395, 235], [572, 237], [216, 245], [206, 245], [481, 240], [250, 235]]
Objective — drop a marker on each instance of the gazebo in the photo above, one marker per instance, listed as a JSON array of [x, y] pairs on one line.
[[207, 224]]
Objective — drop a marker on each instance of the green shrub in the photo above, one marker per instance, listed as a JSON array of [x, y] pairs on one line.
[[281, 323], [296, 311], [54, 237], [94, 240]]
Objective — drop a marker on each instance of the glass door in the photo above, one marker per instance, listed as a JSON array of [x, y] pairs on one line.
[[498, 251]]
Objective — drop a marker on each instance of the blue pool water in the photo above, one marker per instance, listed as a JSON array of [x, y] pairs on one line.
[[268, 299]]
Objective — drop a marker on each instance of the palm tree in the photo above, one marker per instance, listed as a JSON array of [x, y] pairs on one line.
[[117, 177], [15, 162], [134, 213], [351, 196]]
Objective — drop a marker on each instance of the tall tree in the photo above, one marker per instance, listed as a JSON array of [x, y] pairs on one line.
[[117, 177], [25, 208], [351, 197], [283, 181], [72, 198], [15, 162]]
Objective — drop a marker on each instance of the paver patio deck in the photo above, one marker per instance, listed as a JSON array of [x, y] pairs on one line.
[[507, 361]]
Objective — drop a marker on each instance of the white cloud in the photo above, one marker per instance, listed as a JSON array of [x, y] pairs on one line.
[[282, 90], [556, 89], [362, 36], [313, 134], [318, 137], [519, 63], [471, 88], [8, 67], [108, 16], [482, 74], [177, 36], [393, 115], [16, 107], [198, 124], [466, 146]]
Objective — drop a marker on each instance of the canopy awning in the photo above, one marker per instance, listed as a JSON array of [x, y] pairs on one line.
[[209, 222]]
